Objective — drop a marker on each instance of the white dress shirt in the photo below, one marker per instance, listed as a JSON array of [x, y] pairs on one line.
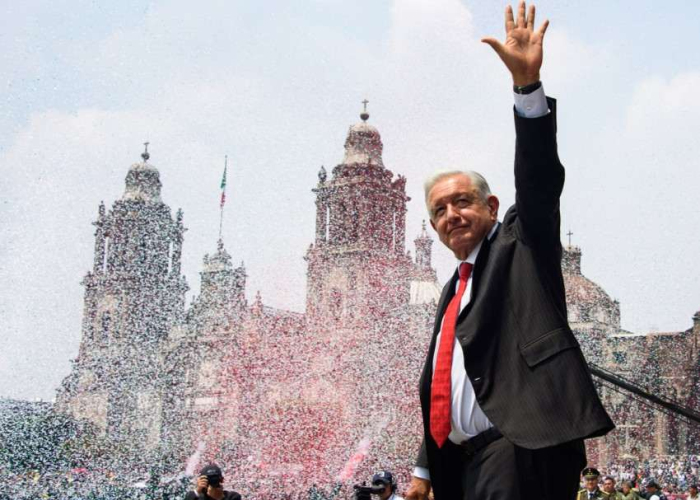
[[467, 417]]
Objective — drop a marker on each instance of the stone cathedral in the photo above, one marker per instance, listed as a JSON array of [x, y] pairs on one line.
[[326, 395]]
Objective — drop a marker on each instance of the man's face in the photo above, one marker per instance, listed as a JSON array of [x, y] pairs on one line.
[[459, 215], [591, 483], [387, 490], [609, 486]]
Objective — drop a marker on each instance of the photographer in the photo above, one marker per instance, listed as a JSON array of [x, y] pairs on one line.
[[383, 485], [210, 486]]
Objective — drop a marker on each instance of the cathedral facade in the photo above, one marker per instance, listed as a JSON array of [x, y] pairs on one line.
[[294, 398], [665, 364], [328, 395]]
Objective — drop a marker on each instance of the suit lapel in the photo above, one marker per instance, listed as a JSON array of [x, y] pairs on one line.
[[478, 271], [447, 293]]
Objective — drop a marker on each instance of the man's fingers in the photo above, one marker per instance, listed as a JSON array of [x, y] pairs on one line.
[[531, 17], [495, 44], [543, 28], [510, 23], [521, 14]]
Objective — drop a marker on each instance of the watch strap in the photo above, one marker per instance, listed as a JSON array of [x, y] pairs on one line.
[[527, 89]]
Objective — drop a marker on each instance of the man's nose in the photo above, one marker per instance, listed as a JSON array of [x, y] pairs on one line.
[[451, 212]]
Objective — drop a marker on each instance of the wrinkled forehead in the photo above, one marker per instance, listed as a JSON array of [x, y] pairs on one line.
[[448, 187]]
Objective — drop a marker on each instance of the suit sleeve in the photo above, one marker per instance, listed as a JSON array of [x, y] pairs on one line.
[[422, 460], [539, 177]]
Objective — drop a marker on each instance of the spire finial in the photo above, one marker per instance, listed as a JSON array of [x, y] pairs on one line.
[[424, 227], [145, 154], [569, 234], [364, 115]]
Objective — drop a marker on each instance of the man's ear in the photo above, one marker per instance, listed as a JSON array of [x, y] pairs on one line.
[[432, 224], [493, 204]]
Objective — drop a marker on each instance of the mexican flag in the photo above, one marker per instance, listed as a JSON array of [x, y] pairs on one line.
[[223, 184]]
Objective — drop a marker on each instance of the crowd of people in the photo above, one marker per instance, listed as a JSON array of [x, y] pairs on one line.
[[84, 484], [670, 478]]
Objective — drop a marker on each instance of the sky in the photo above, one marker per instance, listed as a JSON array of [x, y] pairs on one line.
[[275, 86]]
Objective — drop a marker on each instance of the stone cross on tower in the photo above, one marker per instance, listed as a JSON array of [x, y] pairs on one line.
[[569, 234], [365, 114], [145, 154]]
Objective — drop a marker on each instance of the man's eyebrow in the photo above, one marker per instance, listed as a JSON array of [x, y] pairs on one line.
[[434, 207]]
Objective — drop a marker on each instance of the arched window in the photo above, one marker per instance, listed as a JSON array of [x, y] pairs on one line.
[[105, 261], [105, 325], [336, 303]]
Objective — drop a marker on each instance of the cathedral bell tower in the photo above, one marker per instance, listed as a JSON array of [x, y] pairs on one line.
[[221, 302], [134, 295], [357, 265]]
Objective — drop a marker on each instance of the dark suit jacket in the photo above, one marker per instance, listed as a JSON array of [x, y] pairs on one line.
[[528, 372]]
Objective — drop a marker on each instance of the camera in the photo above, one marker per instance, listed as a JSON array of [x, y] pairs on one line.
[[363, 492], [214, 480], [213, 474]]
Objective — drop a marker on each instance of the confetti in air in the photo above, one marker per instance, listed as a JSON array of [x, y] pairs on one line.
[[295, 405]]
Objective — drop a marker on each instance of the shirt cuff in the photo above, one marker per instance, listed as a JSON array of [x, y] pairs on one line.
[[421, 473], [531, 105]]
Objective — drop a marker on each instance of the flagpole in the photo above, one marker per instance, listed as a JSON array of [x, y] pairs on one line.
[[223, 198]]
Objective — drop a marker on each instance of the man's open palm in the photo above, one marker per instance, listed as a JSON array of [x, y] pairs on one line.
[[522, 50]]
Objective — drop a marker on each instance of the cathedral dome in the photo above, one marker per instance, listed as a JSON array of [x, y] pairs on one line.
[[363, 143], [585, 300], [364, 128], [143, 183], [424, 292]]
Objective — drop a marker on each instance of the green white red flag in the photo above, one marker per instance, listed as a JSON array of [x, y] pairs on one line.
[[223, 184]]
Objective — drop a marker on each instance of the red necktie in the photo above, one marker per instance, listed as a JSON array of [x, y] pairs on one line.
[[441, 389]]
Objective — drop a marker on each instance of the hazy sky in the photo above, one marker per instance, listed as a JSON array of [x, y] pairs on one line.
[[276, 88]]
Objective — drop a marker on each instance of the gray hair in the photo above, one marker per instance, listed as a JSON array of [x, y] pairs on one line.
[[477, 180]]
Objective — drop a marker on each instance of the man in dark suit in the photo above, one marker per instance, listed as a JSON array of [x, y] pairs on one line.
[[506, 394]]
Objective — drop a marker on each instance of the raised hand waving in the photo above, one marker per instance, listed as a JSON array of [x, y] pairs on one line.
[[522, 50]]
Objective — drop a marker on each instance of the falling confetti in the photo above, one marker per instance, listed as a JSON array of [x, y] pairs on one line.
[[294, 405]]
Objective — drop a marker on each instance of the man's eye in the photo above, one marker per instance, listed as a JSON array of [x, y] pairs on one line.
[[462, 202], [439, 211]]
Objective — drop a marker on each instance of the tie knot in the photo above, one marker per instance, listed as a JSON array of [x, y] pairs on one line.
[[465, 269]]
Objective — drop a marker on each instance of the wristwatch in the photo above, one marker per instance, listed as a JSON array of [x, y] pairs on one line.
[[527, 89]]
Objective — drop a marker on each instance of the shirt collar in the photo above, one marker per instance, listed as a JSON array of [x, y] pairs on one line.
[[471, 258]]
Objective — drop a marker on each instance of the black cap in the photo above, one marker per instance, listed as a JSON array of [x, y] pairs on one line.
[[590, 472], [210, 470], [653, 484], [384, 476]]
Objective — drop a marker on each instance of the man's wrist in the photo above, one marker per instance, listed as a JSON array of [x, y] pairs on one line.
[[527, 89], [525, 80]]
